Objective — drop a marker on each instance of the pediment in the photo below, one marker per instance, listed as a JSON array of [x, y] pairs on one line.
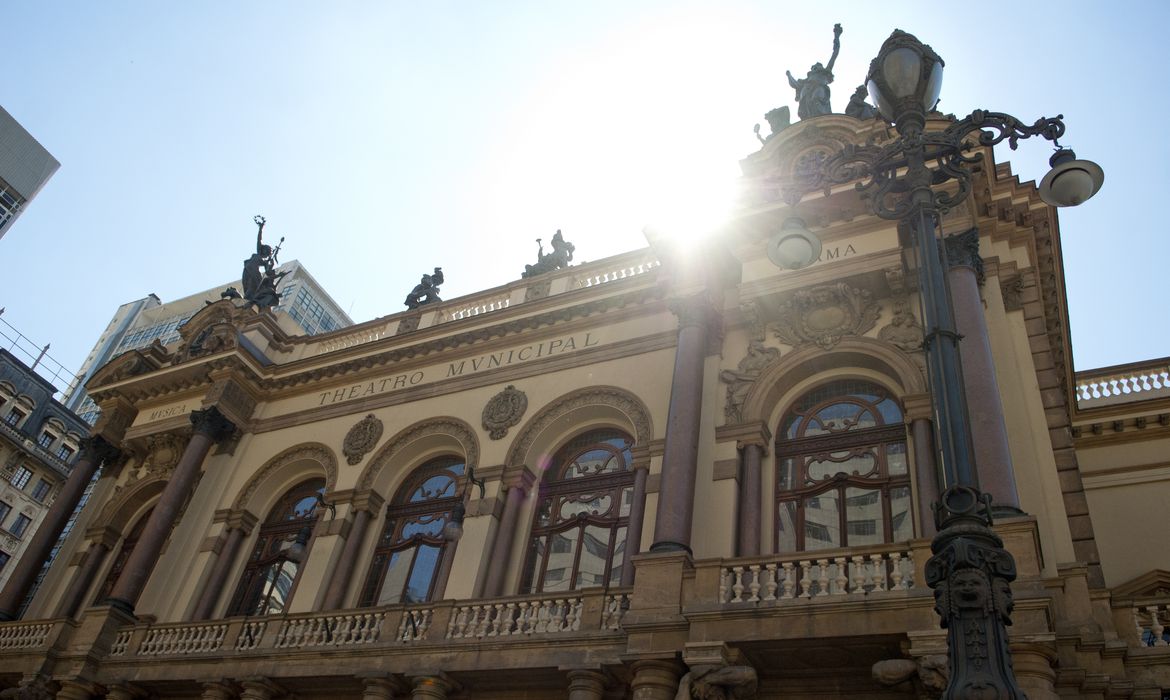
[[212, 329], [131, 363], [1152, 584]]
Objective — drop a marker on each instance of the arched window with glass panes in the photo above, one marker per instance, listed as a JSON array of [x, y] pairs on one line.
[[272, 568], [124, 552], [410, 551], [579, 531], [842, 478]]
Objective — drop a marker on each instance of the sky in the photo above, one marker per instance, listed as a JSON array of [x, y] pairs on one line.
[[382, 139]]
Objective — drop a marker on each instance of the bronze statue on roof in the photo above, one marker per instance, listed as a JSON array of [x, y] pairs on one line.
[[260, 276], [812, 92]]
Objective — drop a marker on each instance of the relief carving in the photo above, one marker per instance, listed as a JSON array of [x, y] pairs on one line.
[[903, 331], [503, 411], [824, 315], [740, 380], [1012, 289], [452, 427], [361, 438]]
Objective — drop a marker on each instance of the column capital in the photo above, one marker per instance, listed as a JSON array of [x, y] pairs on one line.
[[962, 250], [366, 500], [218, 690], [117, 413], [242, 520], [744, 434], [103, 535], [210, 422], [125, 691], [259, 688], [230, 396], [586, 683], [98, 450], [693, 310], [382, 687], [518, 476], [77, 690], [434, 685], [917, 407]]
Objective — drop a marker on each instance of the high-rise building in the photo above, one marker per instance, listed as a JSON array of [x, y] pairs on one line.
[[138, 324], [25, 167]]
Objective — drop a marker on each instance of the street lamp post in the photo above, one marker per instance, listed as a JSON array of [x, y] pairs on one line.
[[970, 571]]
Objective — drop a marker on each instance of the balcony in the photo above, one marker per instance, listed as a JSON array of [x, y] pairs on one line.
[[1121, 384]]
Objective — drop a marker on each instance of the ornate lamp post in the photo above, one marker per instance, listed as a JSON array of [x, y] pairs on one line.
[[970, 571]]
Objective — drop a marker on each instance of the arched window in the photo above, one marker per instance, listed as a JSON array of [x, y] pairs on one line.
[[842, 478], [272, 568], [410, 550], [579, 532], [128, 543]]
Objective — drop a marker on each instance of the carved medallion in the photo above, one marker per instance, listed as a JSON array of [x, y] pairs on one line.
[[903, 330], [824, 315], [503, 411], [361, 438]]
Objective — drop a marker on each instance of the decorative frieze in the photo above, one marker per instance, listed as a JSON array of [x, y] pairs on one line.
[[825, 314], [903, 330]]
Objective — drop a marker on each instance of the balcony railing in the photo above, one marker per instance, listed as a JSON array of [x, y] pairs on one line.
[[1120, 384], [1150, 618], [817, 575]]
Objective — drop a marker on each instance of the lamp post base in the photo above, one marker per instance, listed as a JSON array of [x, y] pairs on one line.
[[971, 574]]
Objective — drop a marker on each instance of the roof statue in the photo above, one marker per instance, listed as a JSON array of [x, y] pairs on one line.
[[260, 276], [779, 119], [858, 108], [426, 291], [561, 255], [812, 92]]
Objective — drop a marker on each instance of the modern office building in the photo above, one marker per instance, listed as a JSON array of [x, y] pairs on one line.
[[138, 324], [39, 442], [25, 167], [672, 473]]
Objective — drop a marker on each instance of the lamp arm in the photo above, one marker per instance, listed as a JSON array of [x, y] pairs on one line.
[[995, 127]]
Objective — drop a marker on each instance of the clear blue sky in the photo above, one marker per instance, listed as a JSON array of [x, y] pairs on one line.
[[384, 138]]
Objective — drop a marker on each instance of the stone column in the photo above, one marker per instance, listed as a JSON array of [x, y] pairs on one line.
[[586, 685], [239, 526], [125, 691], [381, 689], [210, 426], [925, 468], [77, 690], [217, 690], [364, 506], [676, 493], [102, 541], [1033, 664], [655, 680], [637, 518], [750, 494], [94, 452], [434, 687], [993, 458], [259, 689], [517, 480]]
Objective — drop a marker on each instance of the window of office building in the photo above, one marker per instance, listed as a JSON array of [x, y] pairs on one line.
[[579, 531], [41, 490], [410, 550], [20, 525], [271, 571], [14, 416], [5, 509], [65, 452], [842, 475], [20, 477], [46, 439]]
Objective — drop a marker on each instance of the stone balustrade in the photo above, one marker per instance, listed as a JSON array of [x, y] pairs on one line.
[[816, 575], [582, 276], [24, 635], [1120, 384], [1151, 621], [183, 639], [342, 629]]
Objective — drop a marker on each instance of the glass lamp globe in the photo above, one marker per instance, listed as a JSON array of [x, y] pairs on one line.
[[905, 74], [1071, 181], [794, 246]]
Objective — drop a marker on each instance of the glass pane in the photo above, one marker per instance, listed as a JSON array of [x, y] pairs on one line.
[[396, 573], [786, 527], [619, 557], [840, 462], [594, 555], [891, 413], [836, 418], [627, 501], [787, 475], [903, 524], [303, 508], [536, 557], [592, 462], [863, 512], [822, 521], [278, 580], [562, 549], [896, 458], [426, 563], [424, 525], [438, 486]]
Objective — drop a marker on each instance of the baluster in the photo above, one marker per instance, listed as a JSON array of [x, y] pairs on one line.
[[424, 624], [557, 619], [488, 625], [755, 585], [453, 622], [841, 582], [1156, 626], [770, 588], [823, 579], [805, 580], [859, 576], [737, 587], [1137, 624], [477, 626], [575, 614], [879, 572], [540, 617], [789, 581], [606, 612], [724, 575], [910, 582], [896, 571]]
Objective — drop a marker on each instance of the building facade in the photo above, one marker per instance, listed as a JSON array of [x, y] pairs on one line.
[[25, 167], [39, 441], [138, 324], [670, 473]]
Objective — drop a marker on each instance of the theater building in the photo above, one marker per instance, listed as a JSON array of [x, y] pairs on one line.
[[669, 466]]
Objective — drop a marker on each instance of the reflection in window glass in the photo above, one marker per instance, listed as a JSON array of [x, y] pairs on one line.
[[582, 514], [842, 477]]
